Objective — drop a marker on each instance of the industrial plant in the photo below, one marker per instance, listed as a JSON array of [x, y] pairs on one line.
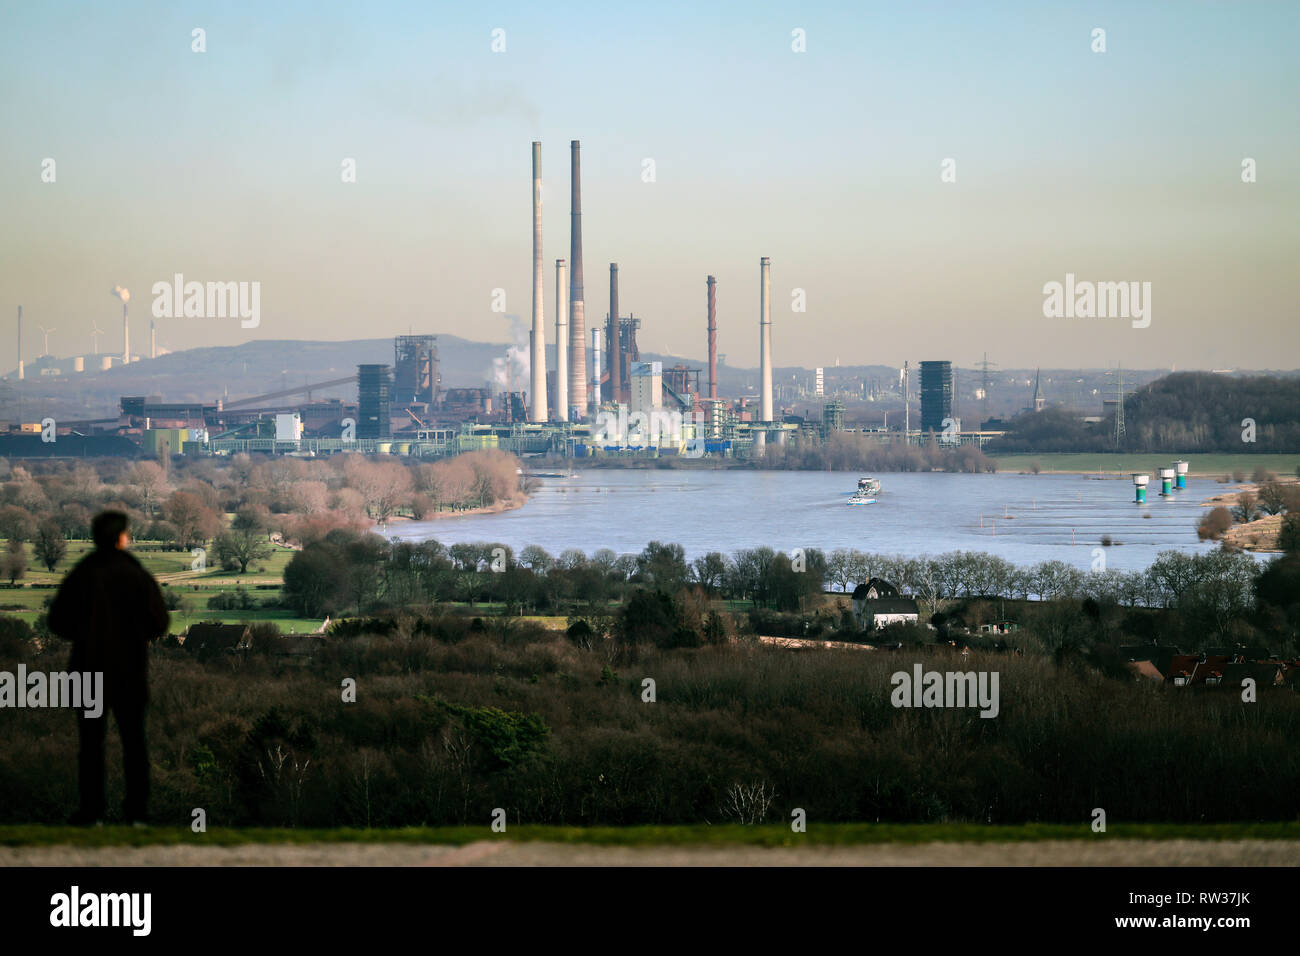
[[600, 399]]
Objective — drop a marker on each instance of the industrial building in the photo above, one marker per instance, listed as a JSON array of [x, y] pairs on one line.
[[936, 395], [374, 418]]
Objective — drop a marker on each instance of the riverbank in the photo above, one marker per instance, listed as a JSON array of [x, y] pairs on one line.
[[1099, 464], [1117, 465], [497, 507]]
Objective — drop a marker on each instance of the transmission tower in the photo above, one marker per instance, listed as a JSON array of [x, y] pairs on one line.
[[984, 381], [1119, 408]]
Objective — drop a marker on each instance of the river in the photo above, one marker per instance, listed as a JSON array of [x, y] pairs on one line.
[[1023, 518]]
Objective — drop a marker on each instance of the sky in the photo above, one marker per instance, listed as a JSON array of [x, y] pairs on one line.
[[226, 165]]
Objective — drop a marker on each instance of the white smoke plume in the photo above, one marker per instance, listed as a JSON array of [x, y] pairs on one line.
[[512, 370], [123, 294]]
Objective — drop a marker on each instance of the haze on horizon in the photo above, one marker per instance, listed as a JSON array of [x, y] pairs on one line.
[[225, 166]]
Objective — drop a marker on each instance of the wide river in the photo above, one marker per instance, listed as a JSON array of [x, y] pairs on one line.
[[1023, 518]]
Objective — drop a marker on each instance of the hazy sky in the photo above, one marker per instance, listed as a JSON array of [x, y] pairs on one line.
[[226, 166]]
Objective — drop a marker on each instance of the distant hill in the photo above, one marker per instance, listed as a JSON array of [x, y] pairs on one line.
[[1180, 413], [257, 368]]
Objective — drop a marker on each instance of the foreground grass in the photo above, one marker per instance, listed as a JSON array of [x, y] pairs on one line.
[[768, 835]]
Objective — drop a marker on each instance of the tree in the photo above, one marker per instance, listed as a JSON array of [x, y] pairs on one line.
[[194, 521], [709, 570], [1272, 498], [16, 523], [315, 579], [149, 482], [14, 563], [245, 542], [1288, 536], [48, 546], [663, 566], [837, 568], [1247, 508], [536, 559], [385, 486]]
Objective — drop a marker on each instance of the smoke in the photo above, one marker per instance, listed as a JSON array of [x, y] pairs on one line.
[[511, 371], [121, 293]]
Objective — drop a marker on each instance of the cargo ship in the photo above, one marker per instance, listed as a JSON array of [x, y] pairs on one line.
[[868, 488]]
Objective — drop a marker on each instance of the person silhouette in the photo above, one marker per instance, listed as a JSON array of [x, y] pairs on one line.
[[111, 609]]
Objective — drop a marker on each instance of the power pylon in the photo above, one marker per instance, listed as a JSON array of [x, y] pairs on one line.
[[1119, 408], [984, 383]]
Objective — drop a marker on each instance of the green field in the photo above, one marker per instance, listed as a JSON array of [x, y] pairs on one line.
[[1199, 466], [173, 570], [767, 835]]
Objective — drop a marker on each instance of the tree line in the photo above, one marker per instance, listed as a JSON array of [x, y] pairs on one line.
[[184, 504], [1181, 413]]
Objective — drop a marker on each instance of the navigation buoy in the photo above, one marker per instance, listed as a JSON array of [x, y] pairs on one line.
[[1166, 482], [1140, 488], [1180, 474]]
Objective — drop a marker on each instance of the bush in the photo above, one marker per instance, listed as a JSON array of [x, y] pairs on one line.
[[1214, 524]]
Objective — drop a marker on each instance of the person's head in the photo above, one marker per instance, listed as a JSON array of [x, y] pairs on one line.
[[109, 529]]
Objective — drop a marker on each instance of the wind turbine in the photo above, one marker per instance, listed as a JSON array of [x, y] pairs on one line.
[[47, 339], [95, 333]]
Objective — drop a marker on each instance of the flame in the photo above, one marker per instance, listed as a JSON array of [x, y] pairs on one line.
[[123, 294]]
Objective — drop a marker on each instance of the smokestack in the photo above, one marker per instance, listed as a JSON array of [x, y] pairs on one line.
[[713, 337], [538, 338], [765, 343], [907, 404], [125, 296], [20, 343], [561, 343], [577, 327], [595, 363], [613, 347], [153, 341]]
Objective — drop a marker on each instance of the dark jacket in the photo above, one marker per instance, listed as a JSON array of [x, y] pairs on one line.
[[110, 608]]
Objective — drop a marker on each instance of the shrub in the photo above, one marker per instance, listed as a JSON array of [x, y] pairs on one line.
[[1214, 524]]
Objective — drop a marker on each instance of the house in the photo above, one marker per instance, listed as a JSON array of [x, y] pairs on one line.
[[874, 590], [1160, 658], [1263, 674], [877, 604], [209, 640], [999, 627], [1239, 653], [1145, 669], [1188, 669]]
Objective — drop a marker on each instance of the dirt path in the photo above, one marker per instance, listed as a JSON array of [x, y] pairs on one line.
[[510, 853]]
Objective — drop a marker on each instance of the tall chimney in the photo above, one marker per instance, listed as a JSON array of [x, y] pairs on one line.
[[561, 343], [765, 343], [577, 327], [713, 337], [538, 337], [153, 341], [595, 363], [613, 347], [126, 337], [20, 343]]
